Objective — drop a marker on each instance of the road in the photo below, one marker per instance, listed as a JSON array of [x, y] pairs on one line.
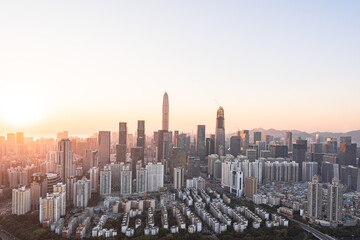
[[6, 235], [313, 231]]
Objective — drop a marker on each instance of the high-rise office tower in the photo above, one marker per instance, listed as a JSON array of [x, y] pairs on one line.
[[65, 159], [268, 139], [220, 132], [251, 186], [331, 146], [235, 145], [136, 159], [155, 176], [165, 113], [104, 148], [257, 137], [278, 151], [347, 154], [309, 170], [21, 202], [345, 139], [288, 141], [115, 175], [126, 180], [164, 138], [329, 170], [105, 181], [141, 180], [176, 134], [350, 176], [210, 145], [335, 203], [10, 140], [121, 147], [299, 150], [315, 198], [200, 141], [141, 140], [178, 177], [244, 141]]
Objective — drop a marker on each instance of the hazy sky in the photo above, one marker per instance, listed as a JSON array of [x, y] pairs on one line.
[[83, 66]]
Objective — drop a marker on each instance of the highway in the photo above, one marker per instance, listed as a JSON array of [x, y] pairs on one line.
[[312, 230]]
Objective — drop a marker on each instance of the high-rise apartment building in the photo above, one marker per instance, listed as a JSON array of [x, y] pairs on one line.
[[155, 176], [251, 186], [82, 193], [178, 177], [335, 203], [21, 202], [141, 180], [65, 159], [315, 198], [126, 180], [105, 181], [94, 179]]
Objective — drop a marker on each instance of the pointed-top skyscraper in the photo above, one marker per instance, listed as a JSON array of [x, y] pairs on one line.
[[165, 113], [220, 132]]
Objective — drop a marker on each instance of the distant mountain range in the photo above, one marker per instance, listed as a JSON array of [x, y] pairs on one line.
[[355, 135]]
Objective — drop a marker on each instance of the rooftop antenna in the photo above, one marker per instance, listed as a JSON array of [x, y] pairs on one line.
[[217, 102]]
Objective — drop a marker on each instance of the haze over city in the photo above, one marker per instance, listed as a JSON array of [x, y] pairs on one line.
[[85, 66]]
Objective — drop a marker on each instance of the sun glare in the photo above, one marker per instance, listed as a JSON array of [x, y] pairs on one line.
[[20, 106]]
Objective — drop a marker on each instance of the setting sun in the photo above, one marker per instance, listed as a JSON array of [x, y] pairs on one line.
[[20, 106]]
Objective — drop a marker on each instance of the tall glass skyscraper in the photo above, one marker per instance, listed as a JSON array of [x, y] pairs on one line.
[[220, 132]]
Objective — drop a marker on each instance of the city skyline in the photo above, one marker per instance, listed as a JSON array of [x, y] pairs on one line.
[[280, 64]]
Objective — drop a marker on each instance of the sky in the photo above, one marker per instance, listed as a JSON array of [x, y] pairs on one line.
[[84, 66]]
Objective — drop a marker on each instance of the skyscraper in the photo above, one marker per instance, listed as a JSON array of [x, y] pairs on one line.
[[257, 137], [65, 159], [155, 176], [105, 181], [121, 147], [200, 141], [21, 203], [335, 204], [347, 154], [141, 180], [235, 142], [141, 139], [220, 132], [315, 198], [104, 148], [244, 141], [288, 140], [126, 180], [165, 113], [178, 177], [251, 186], [299, 150]]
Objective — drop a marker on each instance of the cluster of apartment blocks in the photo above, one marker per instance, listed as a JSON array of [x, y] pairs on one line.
[[78, 224], [99, 231], [275, 219], [119, 177]]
